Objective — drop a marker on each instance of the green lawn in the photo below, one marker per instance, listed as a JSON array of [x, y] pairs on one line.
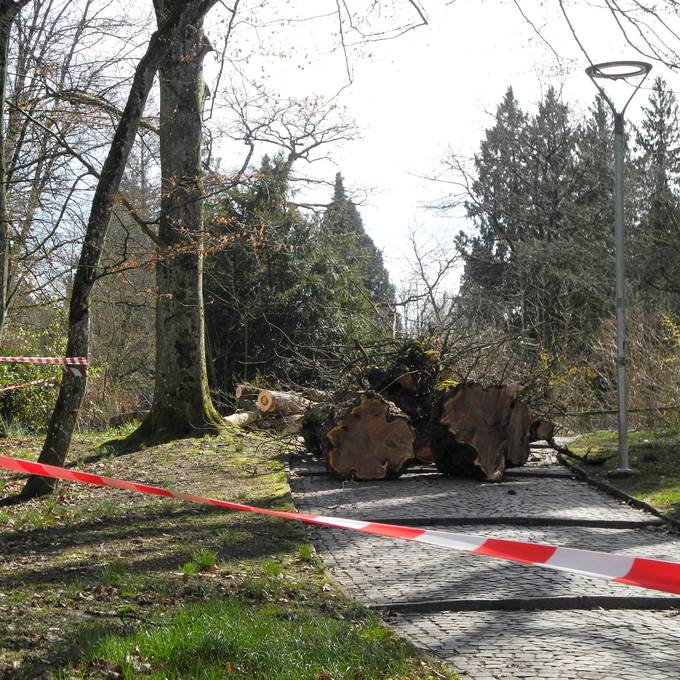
[[655, 454], [100, 583]]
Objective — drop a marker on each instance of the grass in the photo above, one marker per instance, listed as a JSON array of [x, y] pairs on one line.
[[228, 639], [655, 454], [98, 583]]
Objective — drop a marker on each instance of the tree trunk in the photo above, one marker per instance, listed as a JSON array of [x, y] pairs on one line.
[[72, 389], [8, 12], [281, 403], [518, 435], [366, 438], [243, 419], [478, 432], [181, 405]]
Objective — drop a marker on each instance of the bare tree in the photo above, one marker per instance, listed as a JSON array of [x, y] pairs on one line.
[[72, 388], [8, 12]]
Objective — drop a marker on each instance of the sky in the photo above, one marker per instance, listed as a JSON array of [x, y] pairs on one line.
[[434, 89]]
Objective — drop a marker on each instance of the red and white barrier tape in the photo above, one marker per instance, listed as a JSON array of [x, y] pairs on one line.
[[9, 388], [635, 571], [75, 365]]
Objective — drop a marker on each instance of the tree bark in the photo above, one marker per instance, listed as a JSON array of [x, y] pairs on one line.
[[72, 389], [181, 405]]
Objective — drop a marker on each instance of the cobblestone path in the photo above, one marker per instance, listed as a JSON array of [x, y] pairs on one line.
[[490, 618]]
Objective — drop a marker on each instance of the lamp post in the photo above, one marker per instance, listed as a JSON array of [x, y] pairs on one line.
[[620, 70]]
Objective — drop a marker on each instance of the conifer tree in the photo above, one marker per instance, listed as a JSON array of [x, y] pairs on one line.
[[344, 225], [496, 207], [658, 234], [283, 297], [537, 201]]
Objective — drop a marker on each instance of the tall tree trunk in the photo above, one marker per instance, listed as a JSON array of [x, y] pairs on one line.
[[8, 12], [72, 389], [182, 405]]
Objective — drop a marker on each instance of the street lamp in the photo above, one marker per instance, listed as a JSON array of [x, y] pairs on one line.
[[620, 70]]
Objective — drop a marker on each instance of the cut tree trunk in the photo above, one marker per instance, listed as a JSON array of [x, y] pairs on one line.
[[367, 438], [242, 419], [281, 403], [479, 432], [517, 447]]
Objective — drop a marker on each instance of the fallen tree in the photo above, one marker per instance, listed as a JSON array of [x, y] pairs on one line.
[[282, 403], [365, 438], [409, 415], [479, 432]]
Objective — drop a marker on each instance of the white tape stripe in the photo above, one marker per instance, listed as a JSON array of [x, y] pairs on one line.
[[70, 361], [342, 522], [446, 539], [590, 563]]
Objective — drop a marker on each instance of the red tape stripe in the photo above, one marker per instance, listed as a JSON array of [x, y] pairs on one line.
[[70, 361], [636, 571], [75, 365]]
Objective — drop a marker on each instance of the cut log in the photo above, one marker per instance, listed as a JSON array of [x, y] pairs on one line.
[[478, 432], [367, 438], [242, 419], [282, 403]]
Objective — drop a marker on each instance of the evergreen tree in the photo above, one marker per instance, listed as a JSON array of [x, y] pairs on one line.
[[281, 299], [658, 235], [497, 209], [345, 227], [537, 205]]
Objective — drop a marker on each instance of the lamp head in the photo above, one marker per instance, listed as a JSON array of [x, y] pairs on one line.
[[619, 73]]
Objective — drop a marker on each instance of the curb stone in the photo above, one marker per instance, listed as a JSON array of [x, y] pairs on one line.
[[582, 474]]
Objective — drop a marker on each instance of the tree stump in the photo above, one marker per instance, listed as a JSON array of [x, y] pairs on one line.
[[367, 438]]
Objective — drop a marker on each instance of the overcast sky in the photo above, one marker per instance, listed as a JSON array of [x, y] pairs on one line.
[[434, 88]]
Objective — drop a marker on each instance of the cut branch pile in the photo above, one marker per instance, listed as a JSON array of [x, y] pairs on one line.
[[256, 403]]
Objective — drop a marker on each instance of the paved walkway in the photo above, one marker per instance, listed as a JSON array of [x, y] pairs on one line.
[[490, 618]]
